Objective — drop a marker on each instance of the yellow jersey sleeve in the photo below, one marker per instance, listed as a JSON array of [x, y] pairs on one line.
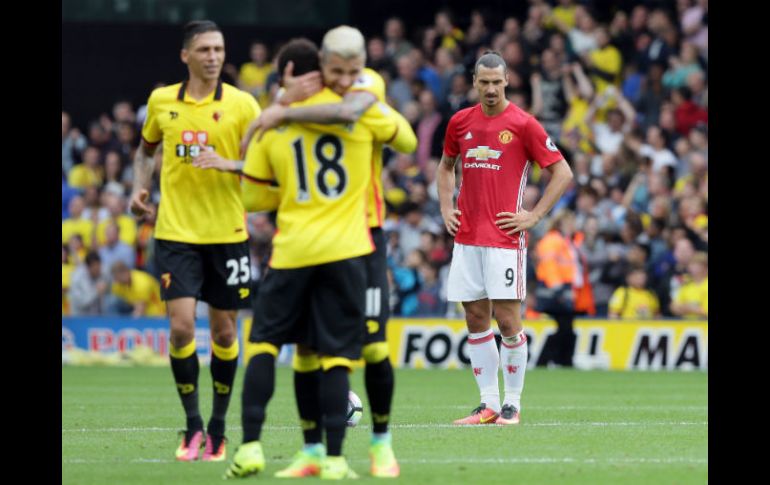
[[259, 190], [151, 132], [370, 81], [616, 301]]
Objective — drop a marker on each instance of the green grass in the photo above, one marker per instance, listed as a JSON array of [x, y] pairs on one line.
[[119, 427]]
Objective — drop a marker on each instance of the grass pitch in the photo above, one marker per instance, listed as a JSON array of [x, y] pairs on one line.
[[119, 427]]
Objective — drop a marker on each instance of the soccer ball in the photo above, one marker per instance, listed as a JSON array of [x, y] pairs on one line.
[[355, 409]]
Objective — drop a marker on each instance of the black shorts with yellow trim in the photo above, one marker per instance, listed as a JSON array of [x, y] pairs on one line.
[[321, 306], [377, 292], [219, 274]]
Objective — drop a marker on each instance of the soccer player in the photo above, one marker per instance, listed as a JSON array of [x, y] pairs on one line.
[[202, 252], [342, 61], [495, 143], [322, 173]]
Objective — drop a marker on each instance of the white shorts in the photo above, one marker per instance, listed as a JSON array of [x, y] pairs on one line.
[[479, 272]]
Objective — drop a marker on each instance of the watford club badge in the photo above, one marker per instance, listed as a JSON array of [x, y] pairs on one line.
[[505, 137], [217, 115], [165, 279]]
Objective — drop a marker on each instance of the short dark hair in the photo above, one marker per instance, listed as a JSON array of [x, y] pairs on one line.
[[92, 257], [490, 59], [197, 27], [303, 53]]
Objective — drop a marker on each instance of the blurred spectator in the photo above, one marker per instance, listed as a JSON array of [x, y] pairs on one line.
[[533, 34], [66, 277], [558, 274], [127, 141], [377, 58], [400, 90], [114, 181], [430, 130], [76, 224], [252, 76], [687, 114], [114, 250], [622, 35], [116, 205], [89, 173], [562, 16], [604, 63], [651, 97], [72, 143], [76, 249], [692, 299], [549, 103], [581, 37], [408, 282], [396, 44], [478, 33], [139, 290], [634, 301], [457, 98], [696, 81], [594, 248], [673, 273], [447, 68], [429, 301], [656, 148], [693, 16], [123, 112], [88, 287], [681, 67], [94, 207], [67, 193], [412, 225], [663, 41], [449, 36]]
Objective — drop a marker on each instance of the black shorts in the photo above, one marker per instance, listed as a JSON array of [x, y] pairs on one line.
[[377, 292], [219, 274], [320, 306]]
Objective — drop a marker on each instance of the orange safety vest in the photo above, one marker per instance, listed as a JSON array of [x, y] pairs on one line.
[[584, 296], [555, 263]]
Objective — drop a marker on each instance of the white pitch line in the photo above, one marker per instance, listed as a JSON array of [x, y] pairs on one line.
[[444, 461], [413, 426]]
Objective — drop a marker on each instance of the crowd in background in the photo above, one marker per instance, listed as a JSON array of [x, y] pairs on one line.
[[623, 93]]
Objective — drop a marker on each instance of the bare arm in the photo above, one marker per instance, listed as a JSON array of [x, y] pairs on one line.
[[144, 166], [561, 176], [537, 94], [352, 106], [446, 192], [584, 84]]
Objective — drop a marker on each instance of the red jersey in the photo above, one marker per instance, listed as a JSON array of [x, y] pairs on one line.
[[496, 153]]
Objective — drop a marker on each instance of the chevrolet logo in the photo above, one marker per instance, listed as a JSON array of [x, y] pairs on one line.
[[482, 153]]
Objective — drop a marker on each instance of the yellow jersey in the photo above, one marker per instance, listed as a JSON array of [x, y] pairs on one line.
[[126, 225], [254, 78], [84, 227], [405, 141], [81, 177], [322, 173], [631, 303], [143, 289], [199, 206], [697, 293]]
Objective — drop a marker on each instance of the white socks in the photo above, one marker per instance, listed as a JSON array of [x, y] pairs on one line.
[[513, 362], [484, 363]]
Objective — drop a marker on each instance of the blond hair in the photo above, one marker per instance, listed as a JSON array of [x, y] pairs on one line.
[[345, 41]]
